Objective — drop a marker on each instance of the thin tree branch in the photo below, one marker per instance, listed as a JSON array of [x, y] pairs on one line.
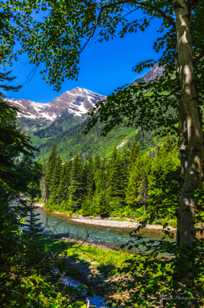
[[146, 6], [93, 31]]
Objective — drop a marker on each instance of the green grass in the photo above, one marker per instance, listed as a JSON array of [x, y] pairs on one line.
[[97, 255], [79, 259], [92, 253]]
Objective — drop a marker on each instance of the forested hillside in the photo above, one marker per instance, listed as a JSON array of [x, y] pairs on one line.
[[63, 122], [132, 182], [71, 138]]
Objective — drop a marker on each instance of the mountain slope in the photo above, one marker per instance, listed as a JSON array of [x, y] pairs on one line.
[[34, 115], [63, 122], [75, 141]]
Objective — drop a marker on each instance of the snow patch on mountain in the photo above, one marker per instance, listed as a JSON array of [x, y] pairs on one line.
[[78, 101]]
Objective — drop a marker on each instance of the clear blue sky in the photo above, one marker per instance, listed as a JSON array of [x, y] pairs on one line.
[[103, 67]]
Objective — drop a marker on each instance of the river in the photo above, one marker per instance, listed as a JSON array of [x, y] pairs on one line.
[[111, 237]]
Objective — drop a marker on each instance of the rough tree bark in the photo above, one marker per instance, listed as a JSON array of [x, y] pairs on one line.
[[192, 148]]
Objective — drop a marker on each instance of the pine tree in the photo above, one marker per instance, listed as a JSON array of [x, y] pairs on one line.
[[55, 181], [33, 226], [101, 197], [63, 188], [133, 152], [76, 187], [164, 179], [90, 187], [103, 207], [15, 148], [137, 187], [48, 173], [117, 178], [89, 170], [52, 175]]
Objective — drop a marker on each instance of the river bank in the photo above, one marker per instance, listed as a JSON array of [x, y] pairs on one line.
[[126, 224]]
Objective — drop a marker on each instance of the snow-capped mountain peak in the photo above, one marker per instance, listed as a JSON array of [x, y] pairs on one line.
[[78, 101]]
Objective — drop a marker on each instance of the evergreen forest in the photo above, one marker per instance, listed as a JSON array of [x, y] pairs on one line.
[[133, 182]]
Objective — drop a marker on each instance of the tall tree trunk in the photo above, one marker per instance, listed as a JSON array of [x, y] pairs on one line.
[[192, 148], [192, 157]]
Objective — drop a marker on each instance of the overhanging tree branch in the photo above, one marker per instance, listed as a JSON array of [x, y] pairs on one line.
[[145, 6], [141, 5]]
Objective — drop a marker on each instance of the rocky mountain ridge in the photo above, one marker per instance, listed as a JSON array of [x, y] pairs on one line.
[[78, 102], [62, 122]]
